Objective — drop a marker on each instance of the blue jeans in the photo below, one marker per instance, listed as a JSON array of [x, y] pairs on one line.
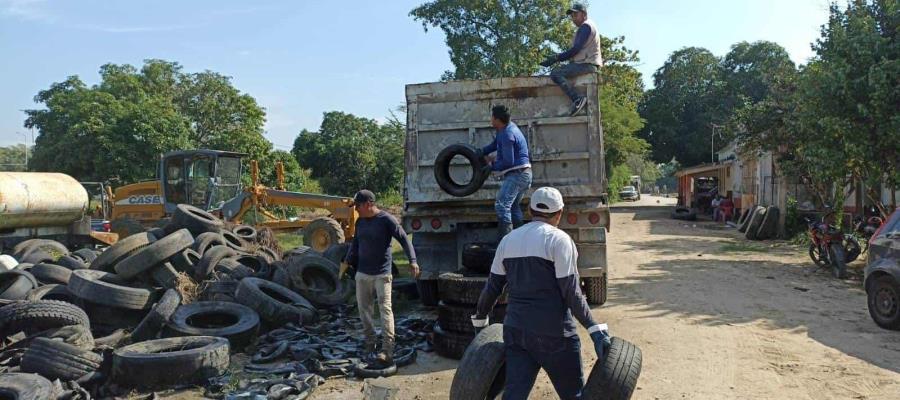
[[571, 70], [513, 188], [527, 353]]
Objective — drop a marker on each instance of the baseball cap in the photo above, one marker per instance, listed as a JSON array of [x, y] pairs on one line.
[[577, 7], [547, 200], [363, 196]]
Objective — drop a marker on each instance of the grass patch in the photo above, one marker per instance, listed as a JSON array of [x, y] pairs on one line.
[[289, 241], [743, 248]]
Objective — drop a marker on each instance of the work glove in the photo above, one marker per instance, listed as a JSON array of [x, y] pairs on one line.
[[479, 323], [550, 60], [601, 338]]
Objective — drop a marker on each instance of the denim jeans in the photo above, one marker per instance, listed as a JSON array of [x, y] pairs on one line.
[[509, 210], [571, 70], [527, 353]]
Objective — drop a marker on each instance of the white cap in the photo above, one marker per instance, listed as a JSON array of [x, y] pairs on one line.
[[547, 200]]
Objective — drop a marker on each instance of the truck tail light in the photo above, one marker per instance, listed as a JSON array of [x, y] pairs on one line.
[[436, 223], [594, 218], [416, 224], [572, 218]]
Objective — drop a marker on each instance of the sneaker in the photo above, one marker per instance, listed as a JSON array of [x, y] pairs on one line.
[[577, 105]]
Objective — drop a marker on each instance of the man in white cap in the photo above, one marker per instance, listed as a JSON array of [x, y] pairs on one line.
[[539, 264]]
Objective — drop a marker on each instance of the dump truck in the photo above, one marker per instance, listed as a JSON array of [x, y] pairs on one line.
[[566, 153], [46, 206]]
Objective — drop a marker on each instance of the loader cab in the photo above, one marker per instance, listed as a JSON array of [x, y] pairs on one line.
[[201, 178]]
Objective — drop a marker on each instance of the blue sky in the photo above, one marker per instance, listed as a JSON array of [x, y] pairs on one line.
[[302, 58]]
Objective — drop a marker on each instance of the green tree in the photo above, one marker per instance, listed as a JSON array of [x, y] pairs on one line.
[[12, 158]]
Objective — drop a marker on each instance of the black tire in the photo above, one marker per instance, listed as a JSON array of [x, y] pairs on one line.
[[595, 289], [168, 362], [31, 245], [157, 232], [37, 257], [16, 284], [337, 253], [428, 292], [838, 260], [280, 274], [54, 359], [616, 377], [125, 227], [322, 233], [451, 344], [193, 219], [71, 262], [53, 292], [755, 222], [185, 261], [478, 257], [316, 279], [480, 170], [361, 370], [298, 251], [268, 253], [152, 325], [207, 240], [254, 262], [463, 290], [154, 254], [165, 275], [245, 232], [49, 274], [86, 255], [121, 250], [39, 315], [405, 288], [105, 319], [239, 324], [234, 241], [816, 256], [21, 386], [94, 286], [233, 269], [218, 290], [769, 227], [210, 259], [684, 214], [481, 374], [458, 319], [274, 303], [744, 216], [852, 250], [75, 335], [884, 302]]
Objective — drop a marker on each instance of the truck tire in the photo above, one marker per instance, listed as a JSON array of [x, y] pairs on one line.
[[746, 222], [121, 250], [274, 303], [337, 253], [616, 377], [21, 386], [478, 257], [51, 274], [210, 259], [151, 326], [168, 362], [769, 227], [245, 232], [39, 315], [193, 219], [455, 318], [755, 222], [480, 170], [451, 344], [16, 284], [154, 254], [53, 292], [322, 233], [316, 278], [595, 289], [71, 262], [94, 286], [481, 374], [54, 359], [237, 323], [428, 292], [185, 261], [165, 275], [462, 290]]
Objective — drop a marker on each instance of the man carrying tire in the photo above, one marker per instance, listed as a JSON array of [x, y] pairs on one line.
[[584, 56], [539, 263], [370, 252], [513, 163]]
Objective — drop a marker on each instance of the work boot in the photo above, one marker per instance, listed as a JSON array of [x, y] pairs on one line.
[[503, 230], [577, 105]]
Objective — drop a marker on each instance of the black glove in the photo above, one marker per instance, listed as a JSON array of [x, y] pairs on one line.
[[550, 60], [602, 342]]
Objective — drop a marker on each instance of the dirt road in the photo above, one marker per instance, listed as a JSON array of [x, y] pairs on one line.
[[717, 318]]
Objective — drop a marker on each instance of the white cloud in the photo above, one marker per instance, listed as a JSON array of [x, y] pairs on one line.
[[31, 10]]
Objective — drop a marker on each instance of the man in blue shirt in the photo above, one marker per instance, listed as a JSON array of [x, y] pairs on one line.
[[513, 164], [584, 56]]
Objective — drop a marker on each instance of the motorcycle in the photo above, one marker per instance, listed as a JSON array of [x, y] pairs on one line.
[[866, 228], [829, 247]]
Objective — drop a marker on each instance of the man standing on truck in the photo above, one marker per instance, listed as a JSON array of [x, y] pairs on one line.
[[539, 262], [514, 164], [584, 56], [370, 252]]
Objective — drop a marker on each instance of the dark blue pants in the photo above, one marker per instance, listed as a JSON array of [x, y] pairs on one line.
[[562, 74], [527, 353]]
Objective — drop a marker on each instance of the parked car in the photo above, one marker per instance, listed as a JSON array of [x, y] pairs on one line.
[[882, 275], [629, 193]]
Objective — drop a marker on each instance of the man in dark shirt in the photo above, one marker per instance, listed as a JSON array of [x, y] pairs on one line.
[[540, 264], [513, 163], [370, 252], [584, 56]]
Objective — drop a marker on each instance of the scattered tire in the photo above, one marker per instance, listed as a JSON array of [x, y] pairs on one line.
[[245, 232], [280, 274], [298, 251], [207, 240], [274, 303], [316, 278], [51, 274], [463, 290], [233, 269], [71, 262], [52, 292], [481, 374], [105, 319], [769, 227], [113, 340], [218, 290], [75, 335], [121, 250], [165, 275], [480, 170], [451, 344], [478, 257], [362, 370], [743, 217], [322, 233], [884, 302], [254, 262], [39, 315], [37, 257], [234, 241], [428, 291], [55, 359], [337, 253], [86, 255], [237, 323], [21, 386], [152, 325], [154, 254], [167, 362], [185, 261], [51, 247], [16, 284], [94, 286], [456, 318], [684, 214], [193, 219], [268, 253], [616, 377], [755, 222], [595, 289], [210, 259], [746, 222]]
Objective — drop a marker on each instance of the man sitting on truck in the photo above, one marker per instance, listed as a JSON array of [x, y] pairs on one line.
[[584, 55], [513, 164]]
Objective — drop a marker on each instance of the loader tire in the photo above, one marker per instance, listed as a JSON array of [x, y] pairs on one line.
[[481, 374], [55, 359], [616, 377], [322, 233], [480, 170]]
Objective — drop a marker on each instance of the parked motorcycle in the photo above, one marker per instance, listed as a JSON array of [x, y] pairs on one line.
[[866, 228], [829, 247]]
